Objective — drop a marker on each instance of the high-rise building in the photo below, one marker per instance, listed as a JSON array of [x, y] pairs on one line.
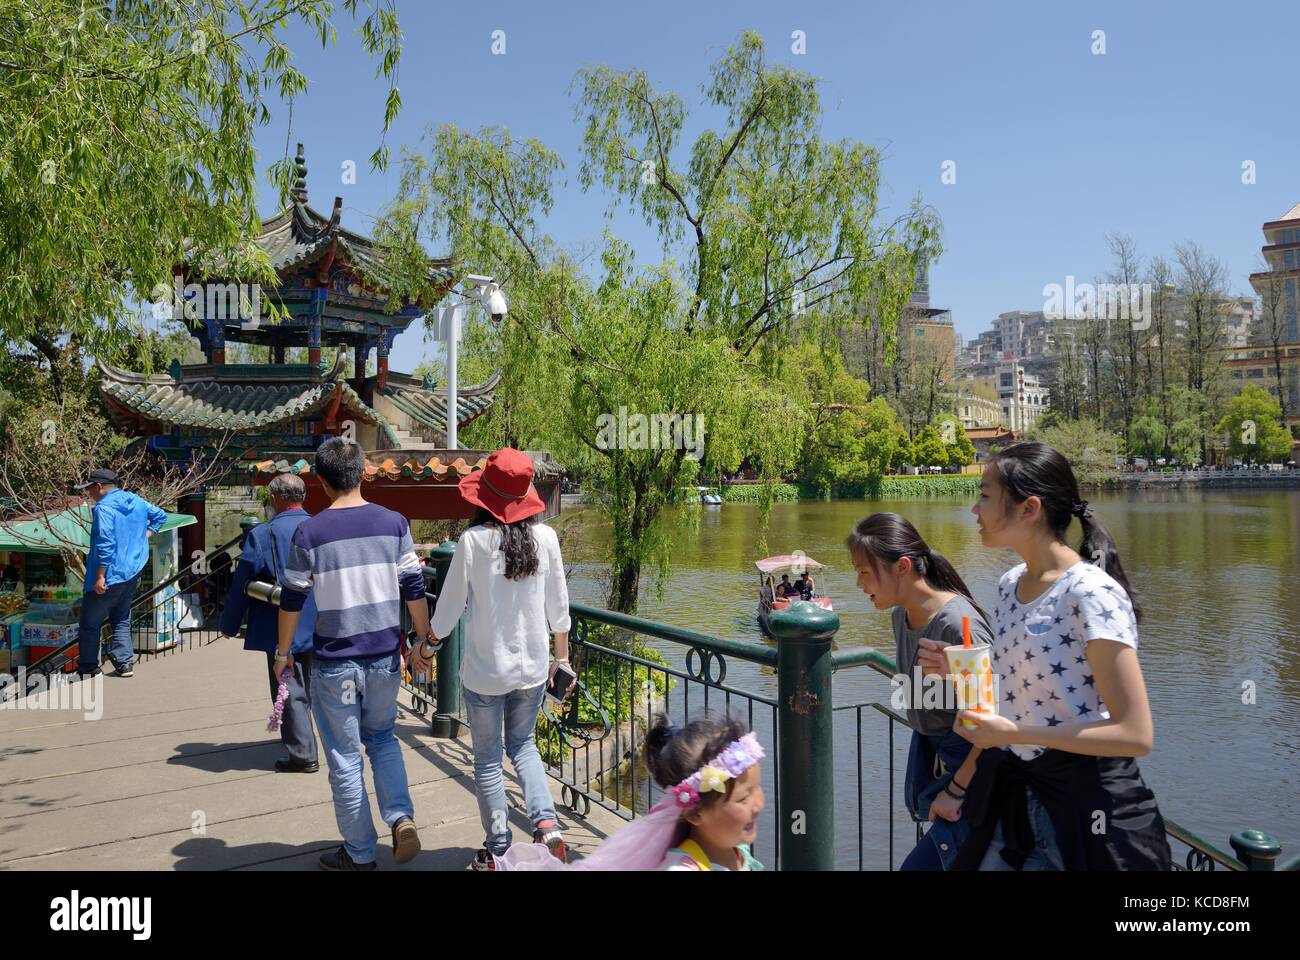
[[1022, 395], [1277, 286]]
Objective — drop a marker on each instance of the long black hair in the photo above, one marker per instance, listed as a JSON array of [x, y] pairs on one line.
[[516, 543], [1037, 470], [887, 538], [674, 753]]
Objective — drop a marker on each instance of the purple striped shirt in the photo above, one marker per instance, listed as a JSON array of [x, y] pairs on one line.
[[360, 564]]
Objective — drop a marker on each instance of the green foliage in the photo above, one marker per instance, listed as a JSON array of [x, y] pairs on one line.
[[703, 335], [1146, 437], [127, 135], [753, 493], [929, 450], [1253, 423], [965, 486], [852, 438], [1092, 451], [961, 452]]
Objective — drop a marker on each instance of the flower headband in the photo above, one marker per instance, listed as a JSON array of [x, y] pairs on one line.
[[730, 763]]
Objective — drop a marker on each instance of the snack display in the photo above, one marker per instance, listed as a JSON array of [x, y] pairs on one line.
[[12, 603]]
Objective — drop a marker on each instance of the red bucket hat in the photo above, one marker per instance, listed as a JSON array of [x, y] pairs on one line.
[[504, 487]]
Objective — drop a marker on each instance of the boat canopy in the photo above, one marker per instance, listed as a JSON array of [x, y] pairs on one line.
[[787, 563]]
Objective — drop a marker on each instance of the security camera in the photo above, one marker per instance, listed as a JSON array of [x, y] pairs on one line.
[[488, 292]]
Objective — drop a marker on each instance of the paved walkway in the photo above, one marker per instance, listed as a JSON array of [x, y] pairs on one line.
[[176, 775]]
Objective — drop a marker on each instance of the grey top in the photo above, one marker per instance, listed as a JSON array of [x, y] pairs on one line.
[[945, 627]]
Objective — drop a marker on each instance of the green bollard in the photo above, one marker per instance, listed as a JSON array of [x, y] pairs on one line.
[[1256, 849], [446, 722], [805, 736]]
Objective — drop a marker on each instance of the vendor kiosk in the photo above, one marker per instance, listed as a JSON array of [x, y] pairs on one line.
[[40, 597]]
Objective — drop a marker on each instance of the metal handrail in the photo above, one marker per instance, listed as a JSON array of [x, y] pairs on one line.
[[138, 602]]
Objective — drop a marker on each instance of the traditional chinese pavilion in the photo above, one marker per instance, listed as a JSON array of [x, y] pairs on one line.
[[269, 418]]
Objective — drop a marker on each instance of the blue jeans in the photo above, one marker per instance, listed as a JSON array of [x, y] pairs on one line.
[[355, 703], [1045, 855], [115, 605], [517, 711]]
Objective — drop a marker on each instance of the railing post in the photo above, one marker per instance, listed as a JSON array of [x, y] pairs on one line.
[[1256, 849], [446, 722], [805, 736]]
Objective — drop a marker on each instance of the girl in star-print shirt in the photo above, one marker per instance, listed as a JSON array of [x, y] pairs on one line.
[[1065, 792]]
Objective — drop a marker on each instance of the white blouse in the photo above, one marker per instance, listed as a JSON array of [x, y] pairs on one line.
[[508, 623]]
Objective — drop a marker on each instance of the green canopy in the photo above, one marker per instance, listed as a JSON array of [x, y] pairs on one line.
[[69, 528]]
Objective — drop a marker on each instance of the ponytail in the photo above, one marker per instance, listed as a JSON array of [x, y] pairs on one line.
[[887, 537], [1037, 470]]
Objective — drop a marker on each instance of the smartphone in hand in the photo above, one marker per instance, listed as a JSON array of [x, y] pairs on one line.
[[559, 689]]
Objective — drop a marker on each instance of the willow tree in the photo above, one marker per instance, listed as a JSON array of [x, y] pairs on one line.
[[763, 224], [126, 137]]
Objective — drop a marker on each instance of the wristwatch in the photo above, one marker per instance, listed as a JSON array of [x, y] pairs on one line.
[[281, 658], [427, 650]]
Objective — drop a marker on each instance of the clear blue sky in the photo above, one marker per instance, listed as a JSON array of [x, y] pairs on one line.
[[1054, 146]]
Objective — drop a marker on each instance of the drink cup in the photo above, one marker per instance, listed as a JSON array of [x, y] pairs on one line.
[[971, 670]]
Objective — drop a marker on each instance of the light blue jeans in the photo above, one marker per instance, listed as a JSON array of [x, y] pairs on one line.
[[355, 704], [1045, 855], [516, 711]]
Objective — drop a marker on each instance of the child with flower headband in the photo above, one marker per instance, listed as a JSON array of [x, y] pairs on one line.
[[707, 818]]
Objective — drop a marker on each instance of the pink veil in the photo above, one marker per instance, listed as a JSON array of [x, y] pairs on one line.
[[641, 845]]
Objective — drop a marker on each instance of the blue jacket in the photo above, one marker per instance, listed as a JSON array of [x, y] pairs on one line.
[[117, 536], [922, 783], [256, 563]]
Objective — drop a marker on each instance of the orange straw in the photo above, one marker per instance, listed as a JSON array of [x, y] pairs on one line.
[[965, 631]]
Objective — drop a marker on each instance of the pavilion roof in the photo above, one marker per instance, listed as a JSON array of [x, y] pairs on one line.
[[235, 398], [427, 405], [299, 235]]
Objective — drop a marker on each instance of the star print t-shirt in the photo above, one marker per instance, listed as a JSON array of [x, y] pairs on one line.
[[1038, 647]]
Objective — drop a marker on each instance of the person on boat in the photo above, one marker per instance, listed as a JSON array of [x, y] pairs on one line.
[[765, 595], [805, 587], [1074, 712], [898, 570], [785, 588]]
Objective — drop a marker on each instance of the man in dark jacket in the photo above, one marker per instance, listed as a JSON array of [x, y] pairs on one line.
[[266, 547], [120, 528]]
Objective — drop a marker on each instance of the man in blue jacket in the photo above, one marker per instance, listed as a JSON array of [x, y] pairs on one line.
[[266, 547], [119, 548]]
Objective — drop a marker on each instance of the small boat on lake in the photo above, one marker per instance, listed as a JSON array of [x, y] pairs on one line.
[[775, 595]]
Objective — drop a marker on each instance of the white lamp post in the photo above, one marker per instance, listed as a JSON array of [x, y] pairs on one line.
[[483, 290]]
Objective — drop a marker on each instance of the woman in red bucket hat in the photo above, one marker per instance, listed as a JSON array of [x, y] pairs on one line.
[[507, 579]]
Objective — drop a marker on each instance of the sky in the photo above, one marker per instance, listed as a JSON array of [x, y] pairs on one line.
[[1054, 144]]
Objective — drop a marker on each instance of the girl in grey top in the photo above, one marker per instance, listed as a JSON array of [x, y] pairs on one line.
[[898, 570]]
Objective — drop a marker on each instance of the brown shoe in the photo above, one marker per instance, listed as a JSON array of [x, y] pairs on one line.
[[406, 840]]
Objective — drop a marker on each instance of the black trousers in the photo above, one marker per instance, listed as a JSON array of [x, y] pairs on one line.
[[296, 730]]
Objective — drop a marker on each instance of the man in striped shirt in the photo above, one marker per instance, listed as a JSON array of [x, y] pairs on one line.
[[357, 561]]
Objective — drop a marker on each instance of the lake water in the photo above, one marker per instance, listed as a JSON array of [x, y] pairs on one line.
[[1216, 572]]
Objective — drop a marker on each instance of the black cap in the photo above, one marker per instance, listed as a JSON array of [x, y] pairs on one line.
[[98, 475]]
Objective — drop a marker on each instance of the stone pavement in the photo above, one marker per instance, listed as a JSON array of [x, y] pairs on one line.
[[177, 775]]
